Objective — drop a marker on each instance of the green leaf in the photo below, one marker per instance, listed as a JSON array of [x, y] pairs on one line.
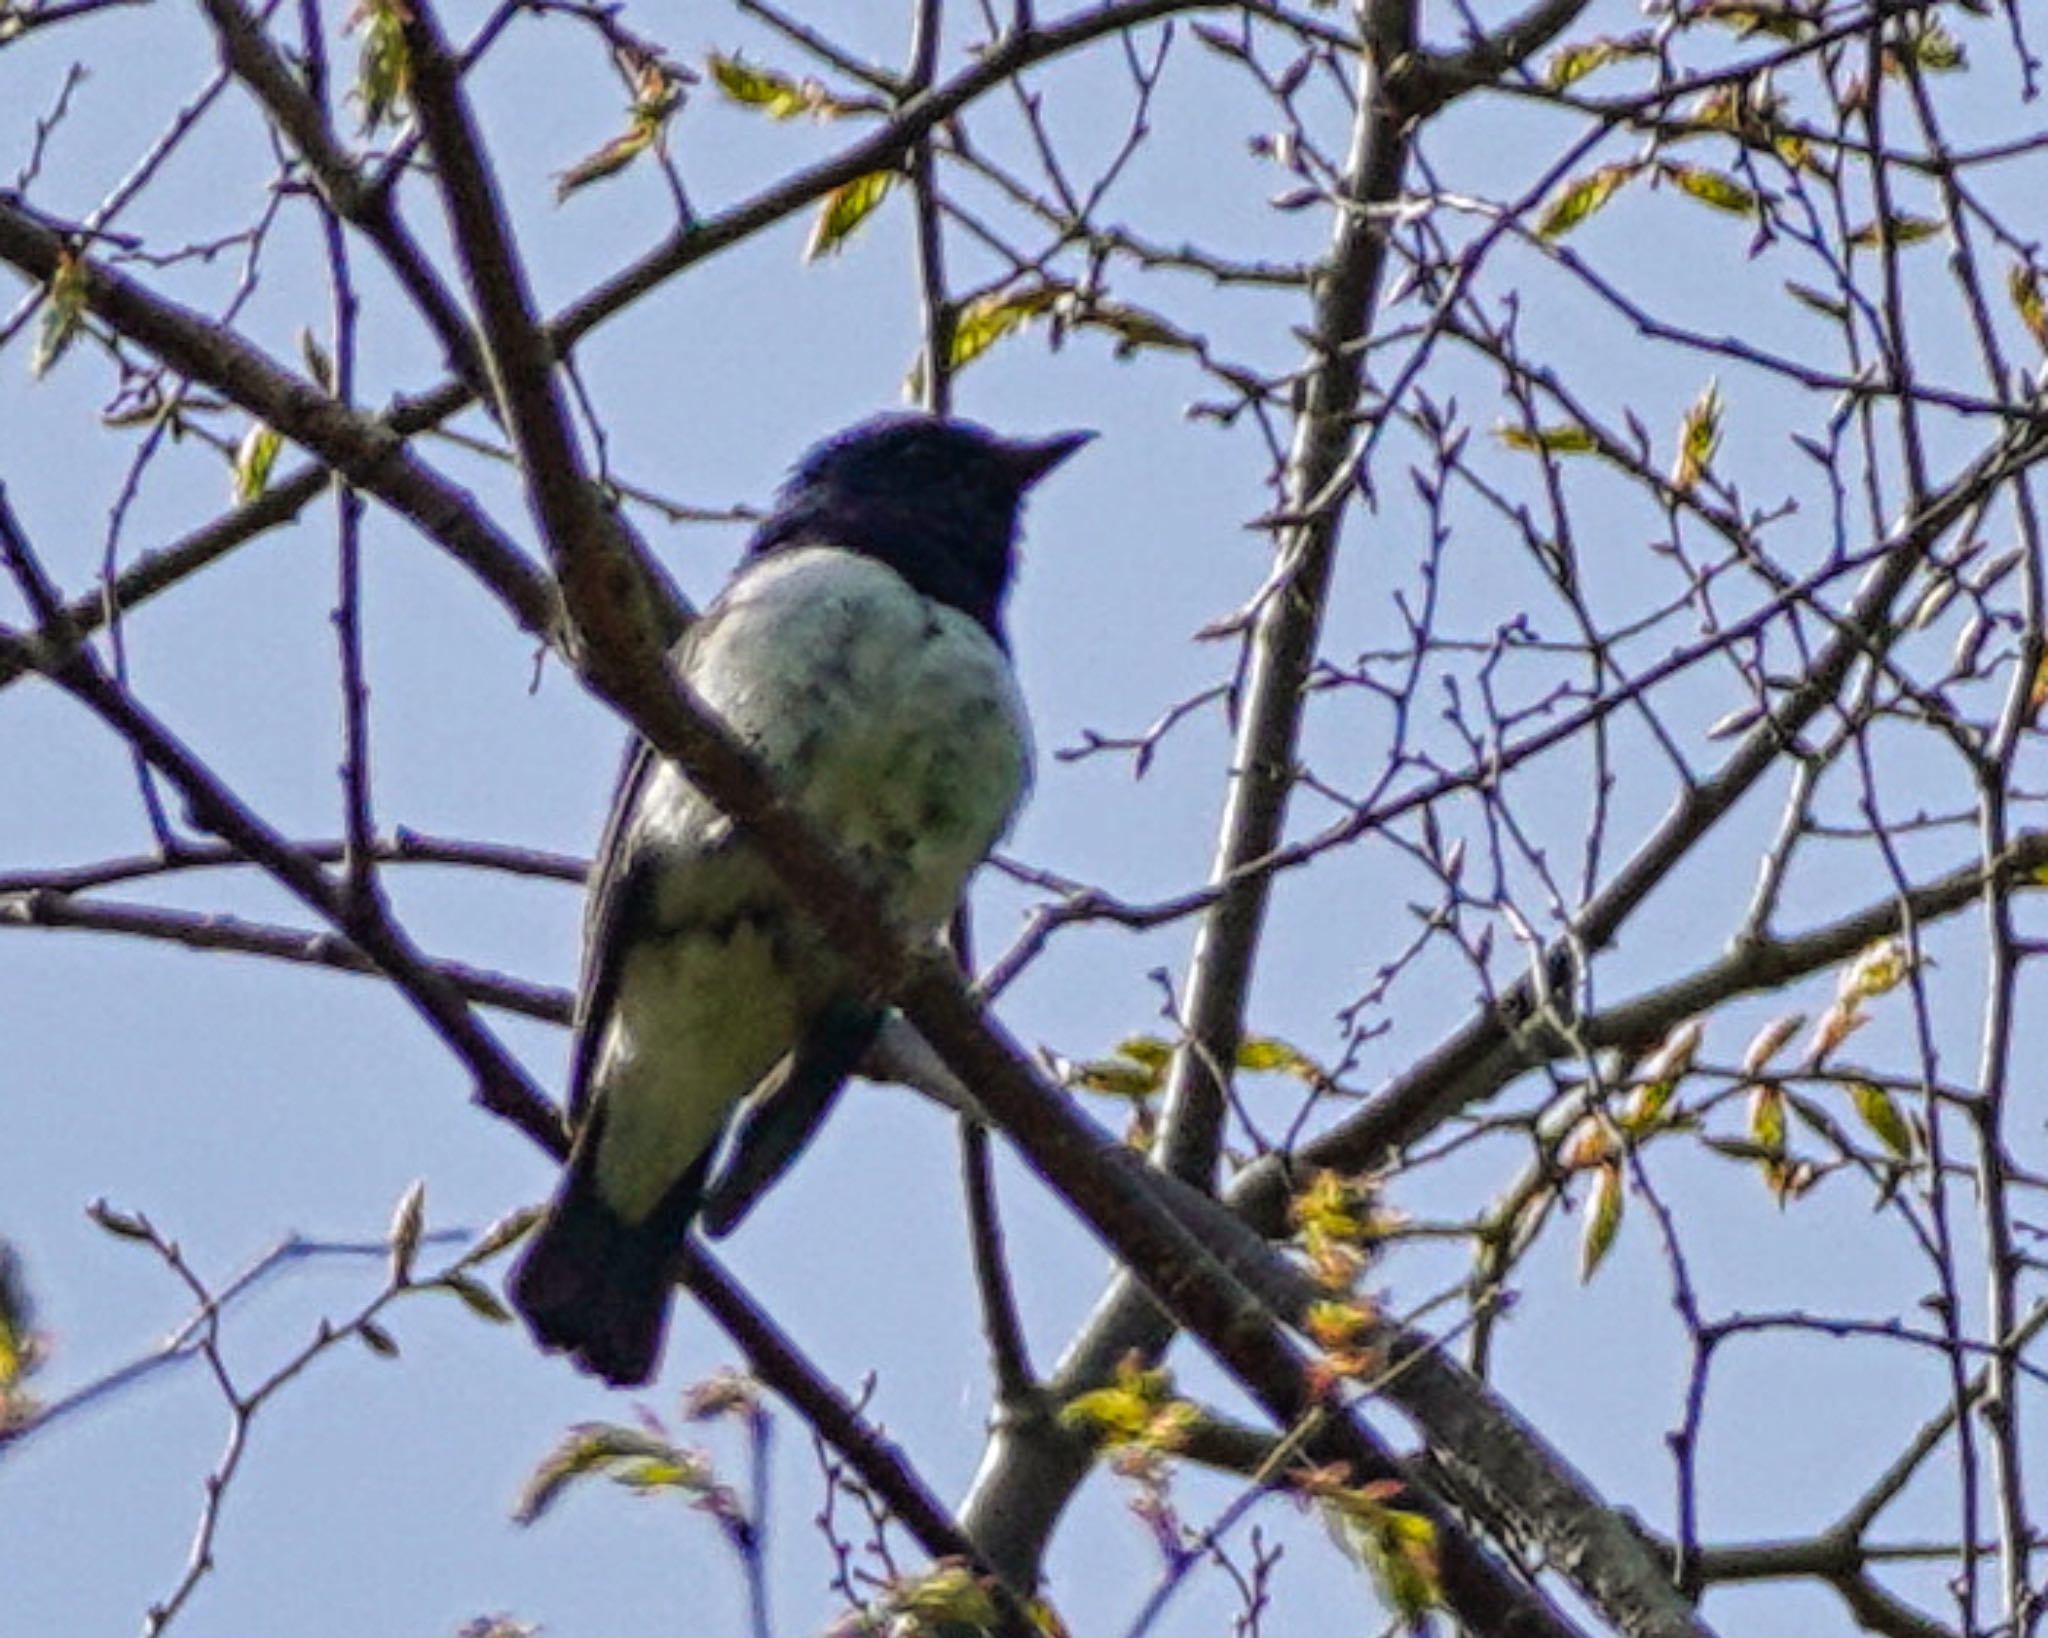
[[1401, 1556], [63, 315], [1933, 50], [254, 461], [507, 1231], [319, 364], [1269, 1055], [844, 209], [658, 85], [1114, 1079], [1569, 64], [407, 1222], [1897, 230], [987, 319], [779, 96], [378, 1340], [1710, 187], [947, 1597], [1830, 306], [1751, 17], [1603, 1219], [1767, 1117], [1153, 1051], [609, 160], [631, 1456], [1580, 199], [2023, 284], [1134, 328], [1699, 437], [384, 66], [1880, 967], [477, 1297], [21, 1350], [1139, 1407], [119, 1223], [1566, 438], [1879, 1111], [1397, 1547]]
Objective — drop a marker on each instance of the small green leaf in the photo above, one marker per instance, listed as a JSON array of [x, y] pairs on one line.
[[844, 209], [1896, 230], [1565, 438], [1829, 306], [2023, 284], [779, 96], [1580, 199], [987, 319], [1111, 1078], [1153, 1051], [1269, 1055], [477, 1297], [1767, 1117], [1397, 1547], [507, 1231], [1932, 49], [1135, 328], [319, 363], [407, 1223], [1402, 1559], [1603, 1219], [609, 160], [63, 315], [384, 66], [1571, 63], [633, 1457], [1661, 1073], [1138, 1408], [378, 1340], [1333, 1206], [1752, 17], [254, 460], [947, 1597], [1699, 437], [119, 1223], [1880, 1111], [21, 1349], [1879, 968], [1710, 187]]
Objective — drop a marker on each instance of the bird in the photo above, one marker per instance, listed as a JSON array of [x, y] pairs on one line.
[[859, 651]]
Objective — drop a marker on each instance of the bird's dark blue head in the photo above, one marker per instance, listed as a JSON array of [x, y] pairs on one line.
[[936, 500]]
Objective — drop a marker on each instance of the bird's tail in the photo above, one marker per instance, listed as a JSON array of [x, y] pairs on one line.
[[595, 1285]]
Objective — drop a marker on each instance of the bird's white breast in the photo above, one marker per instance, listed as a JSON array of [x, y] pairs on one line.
[[895, 724], [894, 721]]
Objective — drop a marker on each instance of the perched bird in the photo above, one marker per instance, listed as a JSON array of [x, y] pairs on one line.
[[859, 651]]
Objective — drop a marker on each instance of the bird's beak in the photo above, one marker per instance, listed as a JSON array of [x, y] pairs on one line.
[[1032, 458]]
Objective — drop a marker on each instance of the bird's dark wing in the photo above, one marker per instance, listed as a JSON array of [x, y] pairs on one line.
[[620, 904], [617, 898], [788, 1109]]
